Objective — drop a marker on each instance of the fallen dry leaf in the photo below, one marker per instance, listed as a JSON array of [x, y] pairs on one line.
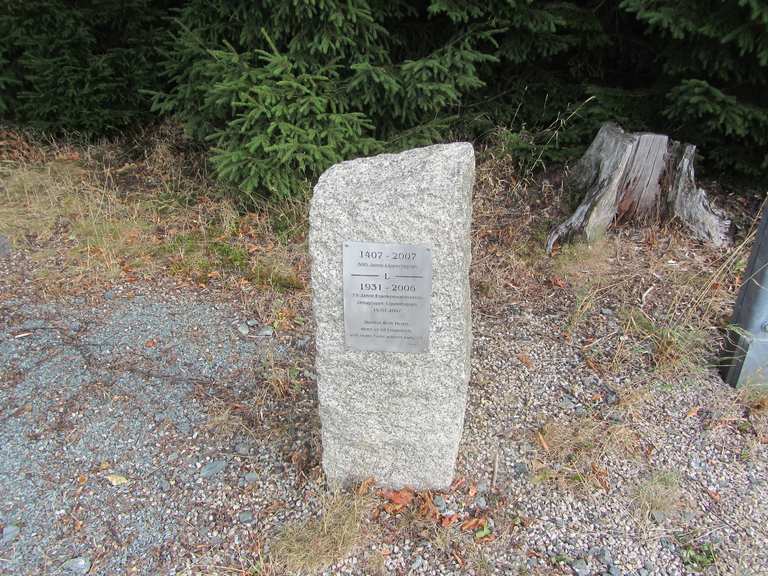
[[714, 495], [446, 521], [365, 486], [458, 558], [399, 497], [473, 524], [693, 412], [594, 366], [525, 359], [542, 441], [457, 483], [151, 343], [117, 479], [427, 509], [393, 509], [557, 281]]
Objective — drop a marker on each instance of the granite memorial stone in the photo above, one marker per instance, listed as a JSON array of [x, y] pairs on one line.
[[390, 246]]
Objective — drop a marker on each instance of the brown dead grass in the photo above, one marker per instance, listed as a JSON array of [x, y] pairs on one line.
[[660, 492], [225, 420], [574, 451], [100, 213], [509, 218], [314, 544]]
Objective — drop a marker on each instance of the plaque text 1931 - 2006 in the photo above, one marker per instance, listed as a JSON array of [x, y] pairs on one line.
[[387, 290]]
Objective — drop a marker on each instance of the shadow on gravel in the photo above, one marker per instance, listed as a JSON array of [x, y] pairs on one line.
[[139, 432]]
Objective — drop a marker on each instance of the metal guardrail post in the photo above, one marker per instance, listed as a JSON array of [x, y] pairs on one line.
[[744, 361]]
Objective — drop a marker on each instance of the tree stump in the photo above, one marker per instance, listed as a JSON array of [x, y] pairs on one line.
[[642, 177]]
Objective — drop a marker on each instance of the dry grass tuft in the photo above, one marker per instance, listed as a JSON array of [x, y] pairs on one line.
[[574, 452], [659, 493], [508, 230], [754, 397], [672, 346], [583, 264], [225, 420], [317, 543], [120, 210]]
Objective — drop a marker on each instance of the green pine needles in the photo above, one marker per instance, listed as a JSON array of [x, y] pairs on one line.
[[79, 66]]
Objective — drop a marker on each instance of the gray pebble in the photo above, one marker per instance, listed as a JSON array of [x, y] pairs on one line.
[[614, 571], [440, 504], [77, 565], [610, 397], [417, 563], [9, 534], [108, 295], [606, 311], [658, 516], [5, 247], [243, 449], [243, 328], [580, 567], [251, 477], [480, 502], [246, 516], [266, 331], [164, 484], [213, 468], [252, 323], [566, 404], [482, 487], [74, 326], [520, 469]]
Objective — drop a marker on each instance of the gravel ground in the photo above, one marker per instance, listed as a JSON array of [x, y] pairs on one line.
[[151, 429]]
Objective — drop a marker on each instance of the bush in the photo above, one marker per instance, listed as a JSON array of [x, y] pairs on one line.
[[79, 66], [281, 90], [713, 69], [287, 89]]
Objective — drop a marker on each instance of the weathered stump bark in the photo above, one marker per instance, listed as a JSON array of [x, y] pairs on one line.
[[637, 176]]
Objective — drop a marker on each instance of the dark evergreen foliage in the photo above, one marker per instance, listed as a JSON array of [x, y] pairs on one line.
[[281, 90], [79, 65]]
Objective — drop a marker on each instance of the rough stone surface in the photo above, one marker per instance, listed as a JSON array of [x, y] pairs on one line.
[[77, 566], [213, 468], [395, 416]]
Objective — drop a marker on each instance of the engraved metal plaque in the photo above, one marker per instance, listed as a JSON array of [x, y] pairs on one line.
[[387, 293]]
